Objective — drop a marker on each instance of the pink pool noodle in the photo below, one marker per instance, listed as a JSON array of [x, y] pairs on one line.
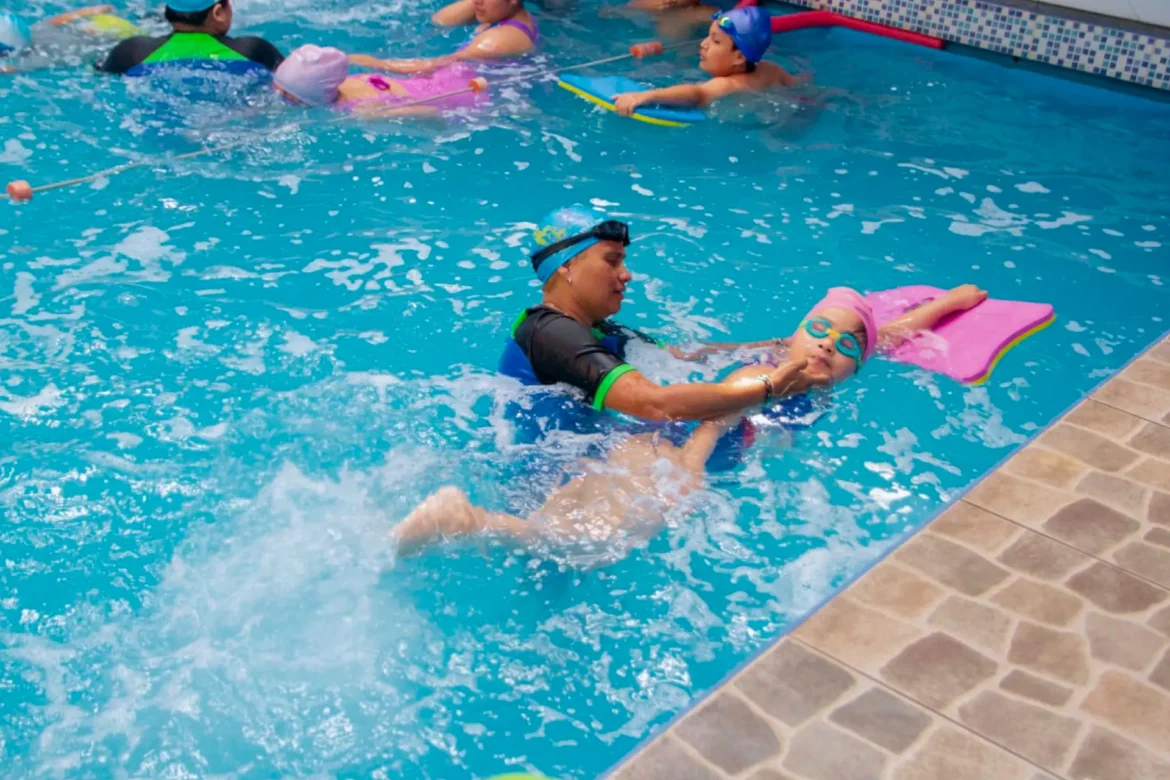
[[967, 345]]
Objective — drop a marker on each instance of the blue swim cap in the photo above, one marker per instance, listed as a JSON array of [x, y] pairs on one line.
[[749, 28], [14, 33], [558, 225], [190, 6]]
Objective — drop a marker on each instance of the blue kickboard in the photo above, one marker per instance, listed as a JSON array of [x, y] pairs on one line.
[[603, 88]]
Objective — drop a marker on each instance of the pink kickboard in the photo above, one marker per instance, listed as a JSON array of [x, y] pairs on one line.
[[964, 346]]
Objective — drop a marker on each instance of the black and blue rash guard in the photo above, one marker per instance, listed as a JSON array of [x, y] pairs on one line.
[[140, 55], [547, 347]]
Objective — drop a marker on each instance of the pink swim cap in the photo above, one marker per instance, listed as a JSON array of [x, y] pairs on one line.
[[851, 300], [313, 74]]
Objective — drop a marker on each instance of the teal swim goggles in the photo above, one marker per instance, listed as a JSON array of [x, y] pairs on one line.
[[846, 343]]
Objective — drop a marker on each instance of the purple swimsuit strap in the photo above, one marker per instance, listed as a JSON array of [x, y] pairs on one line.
[[529, 30]]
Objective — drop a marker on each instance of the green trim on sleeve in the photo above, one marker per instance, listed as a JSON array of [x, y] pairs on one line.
[[607, 382], [518, 322]]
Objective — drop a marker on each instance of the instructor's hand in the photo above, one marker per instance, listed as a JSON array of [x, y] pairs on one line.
[[790, 379]]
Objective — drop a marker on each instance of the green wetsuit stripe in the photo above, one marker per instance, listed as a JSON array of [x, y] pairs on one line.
[[607, 383], [192, 46], [519, 321]]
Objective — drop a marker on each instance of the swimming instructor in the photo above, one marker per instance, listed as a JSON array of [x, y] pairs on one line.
[[569, 339], [200, 37]]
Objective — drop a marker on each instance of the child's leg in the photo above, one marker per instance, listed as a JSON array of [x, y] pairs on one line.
[[448, 513], [591, 505]]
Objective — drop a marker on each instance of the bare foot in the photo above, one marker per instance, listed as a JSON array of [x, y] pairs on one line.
[[444, 514]]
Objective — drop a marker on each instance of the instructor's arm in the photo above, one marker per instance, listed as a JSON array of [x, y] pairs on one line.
[[634, 394]]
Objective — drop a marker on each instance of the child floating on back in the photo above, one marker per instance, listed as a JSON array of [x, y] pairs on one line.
[[319, 76], [732, 54]]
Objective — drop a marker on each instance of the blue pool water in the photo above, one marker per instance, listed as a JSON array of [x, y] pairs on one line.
[[223, 381]]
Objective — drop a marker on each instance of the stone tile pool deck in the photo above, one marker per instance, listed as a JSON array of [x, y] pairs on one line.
[[1024, 634]]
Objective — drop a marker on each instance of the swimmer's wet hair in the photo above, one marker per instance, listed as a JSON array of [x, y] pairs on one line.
[[192, 18]]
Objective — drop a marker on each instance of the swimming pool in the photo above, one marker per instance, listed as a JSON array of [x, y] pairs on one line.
[[223, 383]]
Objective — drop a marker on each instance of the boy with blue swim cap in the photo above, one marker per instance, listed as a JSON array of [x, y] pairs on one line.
[[732, 54]]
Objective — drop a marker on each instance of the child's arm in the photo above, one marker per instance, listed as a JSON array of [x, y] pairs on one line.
[[711, 348], [788, 380], [682, 94], [454, 14], [496, 43], [490, 45], [655, 5], [679, 95], [788, 80], [696, 451], [399, 67], [926, 316], [80, 13]]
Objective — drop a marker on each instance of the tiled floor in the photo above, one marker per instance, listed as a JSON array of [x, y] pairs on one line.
[[1025, 633]]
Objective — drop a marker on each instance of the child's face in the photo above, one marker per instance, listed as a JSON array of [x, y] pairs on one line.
[[718, 55], [825, 362], [492, 11]]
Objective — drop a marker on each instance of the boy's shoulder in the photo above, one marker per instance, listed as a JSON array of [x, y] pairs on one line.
[[768, 74]]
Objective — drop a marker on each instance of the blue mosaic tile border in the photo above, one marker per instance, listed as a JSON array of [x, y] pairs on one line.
[[1033, 32]]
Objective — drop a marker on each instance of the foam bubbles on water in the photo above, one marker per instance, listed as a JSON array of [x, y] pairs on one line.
[[868, 228], [297, 344], [28, 408], [944, 173], [269, 635], [147, 246], [292, 182], [14, 153], [22, 290], [1066, 218]]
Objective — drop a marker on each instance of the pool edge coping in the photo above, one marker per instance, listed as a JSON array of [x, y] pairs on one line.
[[960, 497]]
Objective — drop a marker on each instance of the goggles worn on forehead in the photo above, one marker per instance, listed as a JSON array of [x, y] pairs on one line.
[[610, 230]]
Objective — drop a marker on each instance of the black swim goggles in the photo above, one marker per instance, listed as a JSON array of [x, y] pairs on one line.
[[610, 230]]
